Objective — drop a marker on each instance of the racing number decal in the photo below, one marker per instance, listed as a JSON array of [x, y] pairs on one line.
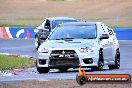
[[110, 31]]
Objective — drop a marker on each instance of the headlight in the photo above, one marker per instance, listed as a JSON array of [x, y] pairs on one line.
[[86, 49], [43, 50]]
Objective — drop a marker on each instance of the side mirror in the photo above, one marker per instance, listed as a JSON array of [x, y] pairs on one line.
[[46, 27], [104, 36], [43, 37]]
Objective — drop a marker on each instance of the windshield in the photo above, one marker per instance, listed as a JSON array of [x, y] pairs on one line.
[[74, 32], [57, 22]]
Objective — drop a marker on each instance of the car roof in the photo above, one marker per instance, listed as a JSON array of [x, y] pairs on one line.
[[61, 18], [79, 23]]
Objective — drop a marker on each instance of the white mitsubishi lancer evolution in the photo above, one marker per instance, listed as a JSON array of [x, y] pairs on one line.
[[87, 44]]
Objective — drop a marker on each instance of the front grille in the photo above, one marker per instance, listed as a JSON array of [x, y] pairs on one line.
[[63, 57], [63, 54], [64, 62], [60, 52]]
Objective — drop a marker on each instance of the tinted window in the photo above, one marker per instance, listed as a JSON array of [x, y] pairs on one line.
[[74, 32], [57, 22]]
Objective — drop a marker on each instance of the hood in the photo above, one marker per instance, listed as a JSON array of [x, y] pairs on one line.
[[62, 44]]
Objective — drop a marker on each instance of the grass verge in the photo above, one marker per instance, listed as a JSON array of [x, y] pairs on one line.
[[17, 25], [32, 25], [12, 62]]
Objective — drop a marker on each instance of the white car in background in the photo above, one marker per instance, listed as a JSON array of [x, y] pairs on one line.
[[48, 25], [87, 44]]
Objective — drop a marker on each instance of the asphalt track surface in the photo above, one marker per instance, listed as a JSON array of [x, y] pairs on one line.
[[26, 47]]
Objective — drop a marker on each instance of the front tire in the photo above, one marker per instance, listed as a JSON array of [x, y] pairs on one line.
[[43, 69], [117, 61], [100, 62], [37, 42]]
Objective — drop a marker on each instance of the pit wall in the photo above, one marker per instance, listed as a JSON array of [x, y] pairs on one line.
[[27, 33]]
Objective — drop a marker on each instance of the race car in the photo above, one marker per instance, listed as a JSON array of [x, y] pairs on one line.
[[47, 25], [86, 44]]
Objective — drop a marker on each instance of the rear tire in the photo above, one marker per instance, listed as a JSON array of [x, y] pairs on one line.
[[117, 61], [100, 62], [43, 69]]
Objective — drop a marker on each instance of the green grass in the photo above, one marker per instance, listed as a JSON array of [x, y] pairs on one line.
[[26, 21], [33, 25], [17, 25], [120, 26], [12, 62]]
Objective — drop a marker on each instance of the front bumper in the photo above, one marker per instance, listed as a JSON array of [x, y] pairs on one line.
[[79, 59]]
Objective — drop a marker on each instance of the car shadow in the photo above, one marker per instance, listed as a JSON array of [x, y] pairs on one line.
[[76, 70]]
